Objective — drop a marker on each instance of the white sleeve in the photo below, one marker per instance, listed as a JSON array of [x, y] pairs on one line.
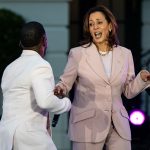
[[43, 85]]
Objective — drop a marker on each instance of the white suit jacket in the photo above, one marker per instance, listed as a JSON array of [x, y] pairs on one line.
[[97, 100], [27, 86]]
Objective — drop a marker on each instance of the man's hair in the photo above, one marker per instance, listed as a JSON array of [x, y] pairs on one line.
[[31, 34]]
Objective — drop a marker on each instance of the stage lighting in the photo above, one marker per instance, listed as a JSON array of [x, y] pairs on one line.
[[137, 117]]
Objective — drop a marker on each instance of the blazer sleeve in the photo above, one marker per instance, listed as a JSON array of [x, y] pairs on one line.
[[134, 84], [42, 83], [69, 76]]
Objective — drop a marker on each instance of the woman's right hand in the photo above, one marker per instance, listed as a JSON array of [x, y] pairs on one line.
[[58, 91]]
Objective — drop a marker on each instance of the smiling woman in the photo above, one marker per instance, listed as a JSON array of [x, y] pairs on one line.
[[10, 25]]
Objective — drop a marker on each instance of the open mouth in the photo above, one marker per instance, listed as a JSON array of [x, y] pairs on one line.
[[98, 34]]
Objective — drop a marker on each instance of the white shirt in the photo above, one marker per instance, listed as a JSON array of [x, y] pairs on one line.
[[107, 62]]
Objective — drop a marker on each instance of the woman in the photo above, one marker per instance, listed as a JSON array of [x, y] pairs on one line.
[[101, 70]]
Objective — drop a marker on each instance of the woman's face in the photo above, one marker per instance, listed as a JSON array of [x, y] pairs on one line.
[[99, 27]]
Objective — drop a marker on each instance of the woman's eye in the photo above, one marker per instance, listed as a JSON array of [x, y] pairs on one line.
[[90, 24], [99, 22]]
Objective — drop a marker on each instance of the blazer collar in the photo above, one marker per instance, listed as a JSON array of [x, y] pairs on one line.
[[117, 62], [94, 61]]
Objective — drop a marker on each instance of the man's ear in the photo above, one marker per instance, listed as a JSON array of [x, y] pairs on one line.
[[45, 41]]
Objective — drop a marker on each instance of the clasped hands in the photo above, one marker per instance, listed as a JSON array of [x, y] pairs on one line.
[[58, 91]]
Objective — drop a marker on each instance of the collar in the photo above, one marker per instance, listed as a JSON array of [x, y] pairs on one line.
[[29, 52]]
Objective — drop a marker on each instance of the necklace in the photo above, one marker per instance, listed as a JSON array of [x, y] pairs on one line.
[[103, 53]]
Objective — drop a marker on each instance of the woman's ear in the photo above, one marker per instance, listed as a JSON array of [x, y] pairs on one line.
[[110, 27]]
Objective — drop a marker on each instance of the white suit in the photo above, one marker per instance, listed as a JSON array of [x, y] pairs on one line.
[[27, 86]]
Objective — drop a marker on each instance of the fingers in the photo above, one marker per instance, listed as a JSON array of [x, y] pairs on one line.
[[58, 91], [145, 75], [148, 77]]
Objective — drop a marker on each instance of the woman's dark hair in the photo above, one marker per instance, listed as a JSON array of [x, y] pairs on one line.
[[31, 34], [113, 38]]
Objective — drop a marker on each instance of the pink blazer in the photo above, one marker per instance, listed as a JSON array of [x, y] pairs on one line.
[[97, 100]]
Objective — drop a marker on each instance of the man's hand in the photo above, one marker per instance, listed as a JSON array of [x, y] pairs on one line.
[[58, 91]]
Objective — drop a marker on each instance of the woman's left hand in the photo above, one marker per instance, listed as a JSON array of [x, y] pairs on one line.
[[145, 75]]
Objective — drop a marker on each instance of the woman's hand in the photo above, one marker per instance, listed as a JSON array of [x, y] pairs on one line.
[[58, 91], [145, 75]]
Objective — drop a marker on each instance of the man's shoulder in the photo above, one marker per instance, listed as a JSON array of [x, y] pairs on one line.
[[40, 62]]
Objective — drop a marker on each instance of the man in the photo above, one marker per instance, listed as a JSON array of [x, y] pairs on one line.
[[27, 86]]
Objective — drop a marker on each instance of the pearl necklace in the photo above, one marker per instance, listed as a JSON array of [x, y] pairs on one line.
[[103, 53]]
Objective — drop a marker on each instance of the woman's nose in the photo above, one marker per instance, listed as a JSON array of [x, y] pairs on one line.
[[96, 26]]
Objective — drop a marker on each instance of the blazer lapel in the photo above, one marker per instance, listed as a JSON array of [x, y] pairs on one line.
[[94, 61], [117, 63]]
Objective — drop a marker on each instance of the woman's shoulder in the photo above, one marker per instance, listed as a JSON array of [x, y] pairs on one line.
[[81, 48], [77, 50], [123, 49]]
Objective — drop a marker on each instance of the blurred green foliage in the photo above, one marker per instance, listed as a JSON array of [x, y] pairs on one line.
[[10, 26]]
